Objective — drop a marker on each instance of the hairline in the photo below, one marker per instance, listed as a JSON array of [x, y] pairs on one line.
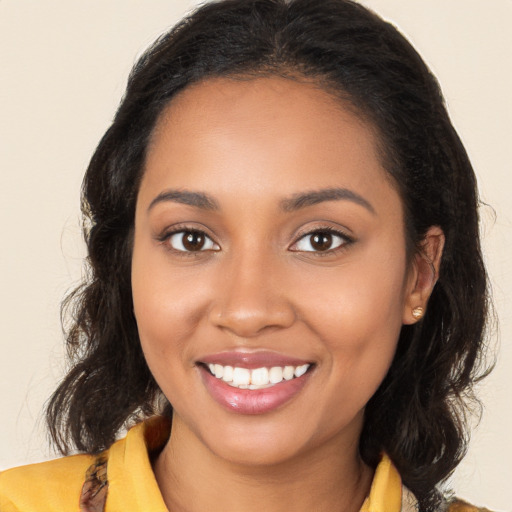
[[325, 84]]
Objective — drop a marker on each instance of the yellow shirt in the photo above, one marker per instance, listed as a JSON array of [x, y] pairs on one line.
[[58, 485]]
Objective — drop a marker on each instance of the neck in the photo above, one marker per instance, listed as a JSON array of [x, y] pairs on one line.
[[332, 477]]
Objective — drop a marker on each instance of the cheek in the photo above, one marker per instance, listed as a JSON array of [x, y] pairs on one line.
[[155, 310], [167, 309], [166, 313], [356, 310], [363, 298]]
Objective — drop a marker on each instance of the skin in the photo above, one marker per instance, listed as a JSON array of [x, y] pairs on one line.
[[258, 285]]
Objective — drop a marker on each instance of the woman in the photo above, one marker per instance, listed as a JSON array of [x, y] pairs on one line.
[[285, 264]]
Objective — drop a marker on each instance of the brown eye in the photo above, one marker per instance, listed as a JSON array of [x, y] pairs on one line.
[[192, 241], [320, 241]]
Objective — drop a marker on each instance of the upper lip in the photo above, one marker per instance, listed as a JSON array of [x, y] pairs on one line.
[[252, 360]]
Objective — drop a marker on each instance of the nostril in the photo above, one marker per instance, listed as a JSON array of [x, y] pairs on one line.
[[249, 320]]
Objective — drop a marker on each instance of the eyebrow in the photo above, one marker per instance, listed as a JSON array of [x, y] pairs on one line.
[[197, 199], [303, 200], [295, 202]]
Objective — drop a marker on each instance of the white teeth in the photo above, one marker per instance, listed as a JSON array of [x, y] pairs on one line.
[[259, 378], [301, 370], [254, 386], [275, 375], [228, 374], [288, 372], [219, 371], [241, 376]]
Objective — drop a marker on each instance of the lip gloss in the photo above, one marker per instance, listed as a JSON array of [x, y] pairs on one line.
[[251, 360], [246, 401]]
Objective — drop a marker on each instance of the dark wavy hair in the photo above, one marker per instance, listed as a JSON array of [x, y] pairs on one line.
[[419, 414]]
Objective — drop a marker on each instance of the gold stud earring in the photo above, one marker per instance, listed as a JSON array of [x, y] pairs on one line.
[[417, 312]]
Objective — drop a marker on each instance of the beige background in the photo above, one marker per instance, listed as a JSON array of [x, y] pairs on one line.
[[63, 66]]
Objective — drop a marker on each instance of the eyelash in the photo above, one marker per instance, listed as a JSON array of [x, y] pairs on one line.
[[345, 240], [183, 230]]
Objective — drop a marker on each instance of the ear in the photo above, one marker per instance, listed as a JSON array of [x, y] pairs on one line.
[[423, 275]]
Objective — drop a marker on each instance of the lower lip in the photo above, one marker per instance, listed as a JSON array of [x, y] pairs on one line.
[[247, 401]]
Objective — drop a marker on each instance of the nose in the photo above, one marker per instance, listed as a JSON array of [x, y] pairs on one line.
[[251, 298]]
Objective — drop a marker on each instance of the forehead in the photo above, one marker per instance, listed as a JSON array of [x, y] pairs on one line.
[[257, 105], [272, 134]]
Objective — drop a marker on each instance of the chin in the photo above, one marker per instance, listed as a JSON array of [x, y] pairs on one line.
[[260, 452]]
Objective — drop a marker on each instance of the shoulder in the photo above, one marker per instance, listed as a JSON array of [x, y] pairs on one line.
[[50, 486], [82, 482], [458, 505]]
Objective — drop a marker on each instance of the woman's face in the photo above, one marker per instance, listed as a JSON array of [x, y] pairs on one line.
[[269, 242]]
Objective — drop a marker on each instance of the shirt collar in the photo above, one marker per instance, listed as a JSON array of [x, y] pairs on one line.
[[387, 493], [133, 485]]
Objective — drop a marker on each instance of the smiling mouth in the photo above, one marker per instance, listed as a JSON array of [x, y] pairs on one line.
[[257, 378]]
